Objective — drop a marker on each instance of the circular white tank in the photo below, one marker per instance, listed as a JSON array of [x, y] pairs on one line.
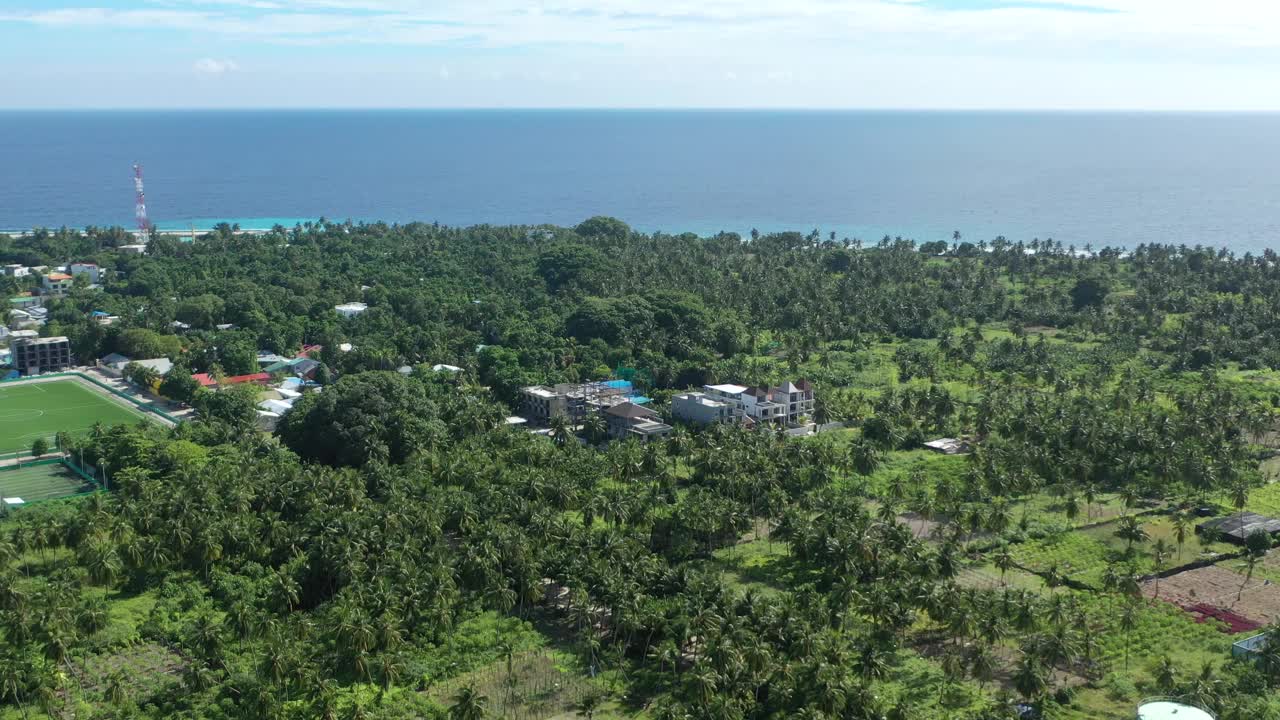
[[1170, 710]]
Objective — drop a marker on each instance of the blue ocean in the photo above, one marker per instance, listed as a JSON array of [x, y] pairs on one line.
[[1083, 179]]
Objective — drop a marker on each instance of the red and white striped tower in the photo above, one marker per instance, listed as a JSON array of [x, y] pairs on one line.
[[140, 208]]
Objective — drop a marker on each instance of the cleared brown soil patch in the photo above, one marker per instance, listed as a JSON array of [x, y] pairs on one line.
[[1257, 599]]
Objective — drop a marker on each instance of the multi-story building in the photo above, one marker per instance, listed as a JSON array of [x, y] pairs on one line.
[[629, 420], [16, 271], [88, 269], [797, 397], [57, 283], [542, 403], [786, 404], [702, 409], [573, 401], [35, 356]]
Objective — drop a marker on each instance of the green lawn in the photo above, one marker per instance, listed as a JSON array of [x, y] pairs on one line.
[[41, 482], [33, 410]]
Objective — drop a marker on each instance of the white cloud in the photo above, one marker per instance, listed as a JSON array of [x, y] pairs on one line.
[[1170, 25], [733, 52], [211, 66]]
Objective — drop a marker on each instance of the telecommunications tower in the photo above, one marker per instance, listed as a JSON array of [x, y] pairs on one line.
[[140, 208]]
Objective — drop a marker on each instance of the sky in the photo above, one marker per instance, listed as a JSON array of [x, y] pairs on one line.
[[886, 54]]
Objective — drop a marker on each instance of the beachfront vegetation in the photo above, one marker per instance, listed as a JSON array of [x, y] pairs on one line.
[[397, 551]]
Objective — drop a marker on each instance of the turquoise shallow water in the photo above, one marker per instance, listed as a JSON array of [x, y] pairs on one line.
[[1099, 179]]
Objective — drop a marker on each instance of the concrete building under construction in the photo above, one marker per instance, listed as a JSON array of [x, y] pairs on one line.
[[575, 401]]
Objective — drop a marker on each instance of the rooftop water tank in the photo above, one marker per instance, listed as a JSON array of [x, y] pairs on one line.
[[1170, 709]]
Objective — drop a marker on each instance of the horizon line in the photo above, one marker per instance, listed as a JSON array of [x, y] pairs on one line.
[[654, 109]]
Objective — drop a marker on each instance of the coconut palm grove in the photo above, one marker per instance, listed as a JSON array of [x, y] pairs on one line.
[[399, 547]]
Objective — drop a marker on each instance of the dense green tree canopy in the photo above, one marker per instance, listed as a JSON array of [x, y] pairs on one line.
[[364, 417], [381, 553]]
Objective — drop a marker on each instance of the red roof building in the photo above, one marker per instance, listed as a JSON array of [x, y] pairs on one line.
[[259, 378], [207, 380]]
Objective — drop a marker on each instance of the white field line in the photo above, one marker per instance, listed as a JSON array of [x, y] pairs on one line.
[[84, 383]]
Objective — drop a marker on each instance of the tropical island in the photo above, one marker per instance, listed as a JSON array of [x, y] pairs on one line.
[[415, 471]]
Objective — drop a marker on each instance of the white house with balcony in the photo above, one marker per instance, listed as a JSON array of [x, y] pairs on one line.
[[787, 404], [88, 269]]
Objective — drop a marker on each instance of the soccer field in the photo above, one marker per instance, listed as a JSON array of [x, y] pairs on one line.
[[33, 410], [42, 482]]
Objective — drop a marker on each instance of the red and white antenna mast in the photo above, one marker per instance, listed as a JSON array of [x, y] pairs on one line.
[[140, 208]]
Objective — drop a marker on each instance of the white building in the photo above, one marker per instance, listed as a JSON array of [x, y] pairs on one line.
[[88, 269], [56, 283], [351, 309], [16, 271], [788, 403], [702, 409], [162, 366], [139, 249]]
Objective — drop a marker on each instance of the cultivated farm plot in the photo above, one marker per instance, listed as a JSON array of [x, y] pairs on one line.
[[1160, 629], [32, 410], [1256, 599], [42, 482], [1265, 500], [989, 577], [536, 687], [143, 669], [1075, 555]]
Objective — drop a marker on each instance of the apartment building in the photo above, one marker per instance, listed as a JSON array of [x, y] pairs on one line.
[[786, 404], [32, 356], [57, 283], [573, 400], [88, 269], [702, 409]]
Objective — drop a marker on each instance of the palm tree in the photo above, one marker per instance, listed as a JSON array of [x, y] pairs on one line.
[[117, 689], [1090, 497], [1160, 553], [389, 670], [1240, 497], [1249, 565], [1204, 689], [982, 665], [1131, 531], [469, 704], [1031, 678], [590, 703], [1128, 623], [1004, 561], [13, 678], [1181, 530], [561, 430], [1166, 675]]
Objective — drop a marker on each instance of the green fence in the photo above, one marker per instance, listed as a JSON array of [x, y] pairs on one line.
[[44, 480], [144, 407]]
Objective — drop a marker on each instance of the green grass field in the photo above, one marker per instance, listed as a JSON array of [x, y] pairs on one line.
[[41, 482], [33, 410]]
